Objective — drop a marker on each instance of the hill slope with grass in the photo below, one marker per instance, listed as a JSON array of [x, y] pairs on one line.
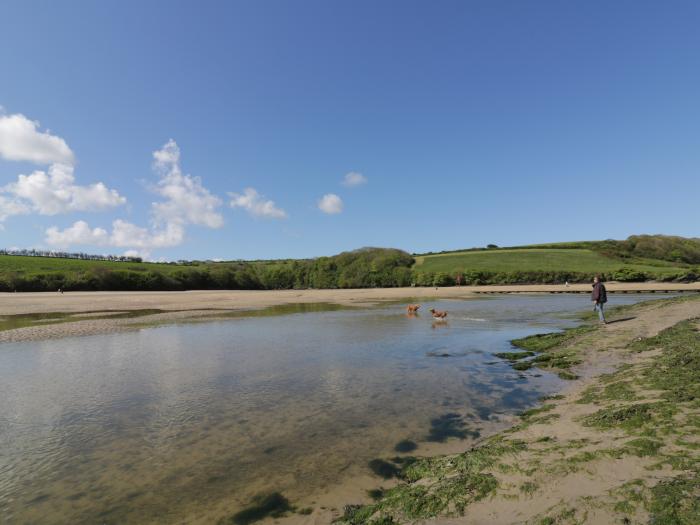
[[639, 258]]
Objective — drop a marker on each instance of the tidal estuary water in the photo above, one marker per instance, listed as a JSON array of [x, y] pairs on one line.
[[186, 423]]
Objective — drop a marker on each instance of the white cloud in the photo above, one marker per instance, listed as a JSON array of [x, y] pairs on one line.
[[56, 192], [10, 207], [128, 235], [330, 204], [51, 191], [354, 179], [20, 140], [256, 204], [79, 233], [187, 201], [123, 235]]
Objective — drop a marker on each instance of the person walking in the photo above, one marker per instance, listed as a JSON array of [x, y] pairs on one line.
[[599, 297]]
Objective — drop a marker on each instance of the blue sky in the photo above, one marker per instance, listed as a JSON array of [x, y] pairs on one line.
[[470, 122]]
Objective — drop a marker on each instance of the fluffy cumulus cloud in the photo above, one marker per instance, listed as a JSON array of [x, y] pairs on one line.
[[256, 205], [79, 233], [55, 191], [185, 201], [21, 140], [123, 235], [330, 204], [353, 179], [51, 191]]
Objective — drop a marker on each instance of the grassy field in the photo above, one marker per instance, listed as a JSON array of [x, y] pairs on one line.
[[538, 259], [646, 258], [16, 263]]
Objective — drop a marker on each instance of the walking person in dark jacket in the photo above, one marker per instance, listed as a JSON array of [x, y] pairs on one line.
[[599, 298]]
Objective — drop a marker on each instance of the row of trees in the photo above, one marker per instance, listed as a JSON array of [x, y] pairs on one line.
[[70, 255], [475, 278], [365, 268], [292, 276]]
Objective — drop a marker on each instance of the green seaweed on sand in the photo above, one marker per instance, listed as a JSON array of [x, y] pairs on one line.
[[535, 411], [676, 501], [545, 351], [643, 447], [438, 485], [543, 342], [565, 374], [613, 391], [629, 417], [513, 356], [528, 487]]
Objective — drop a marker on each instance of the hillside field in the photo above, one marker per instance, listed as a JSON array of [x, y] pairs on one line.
[[34, 265], [636, 259], [539, 260]]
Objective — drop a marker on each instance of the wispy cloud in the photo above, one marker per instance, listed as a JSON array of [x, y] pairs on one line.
[[353, 179], [256, 205], [187, 201]]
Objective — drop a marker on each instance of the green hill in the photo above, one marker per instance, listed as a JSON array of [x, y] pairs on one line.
[[638, 258], [540, 260]]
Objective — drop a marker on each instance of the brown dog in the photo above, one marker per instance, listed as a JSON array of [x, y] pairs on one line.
[[438, 314], [412, 308]]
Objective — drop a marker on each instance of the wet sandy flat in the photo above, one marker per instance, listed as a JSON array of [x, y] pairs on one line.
[[194, 304]]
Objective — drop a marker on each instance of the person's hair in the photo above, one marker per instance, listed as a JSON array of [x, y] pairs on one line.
[[600, 279]]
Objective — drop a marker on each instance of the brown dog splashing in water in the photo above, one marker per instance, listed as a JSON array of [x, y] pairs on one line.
[[412, 309], [438, 314]]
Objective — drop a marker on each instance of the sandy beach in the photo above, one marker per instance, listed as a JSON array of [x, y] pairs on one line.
[[21, 303], [96, 308]]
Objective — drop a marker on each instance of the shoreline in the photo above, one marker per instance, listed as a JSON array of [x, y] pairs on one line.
[[585, 455], [92, 313]]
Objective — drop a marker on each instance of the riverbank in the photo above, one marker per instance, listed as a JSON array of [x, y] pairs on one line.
[[89, 313], [619, 446]]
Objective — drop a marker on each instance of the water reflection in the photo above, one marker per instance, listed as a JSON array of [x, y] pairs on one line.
[[189, 422]]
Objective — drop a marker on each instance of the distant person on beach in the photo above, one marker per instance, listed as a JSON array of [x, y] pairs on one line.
[[599, 298]]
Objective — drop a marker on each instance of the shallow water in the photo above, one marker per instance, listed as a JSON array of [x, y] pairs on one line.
[[188, 422]]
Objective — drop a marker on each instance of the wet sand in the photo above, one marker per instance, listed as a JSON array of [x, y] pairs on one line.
[[178, 306]]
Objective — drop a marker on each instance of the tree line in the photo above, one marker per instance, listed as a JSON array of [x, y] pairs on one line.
[[69, 255], [364, 268]]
